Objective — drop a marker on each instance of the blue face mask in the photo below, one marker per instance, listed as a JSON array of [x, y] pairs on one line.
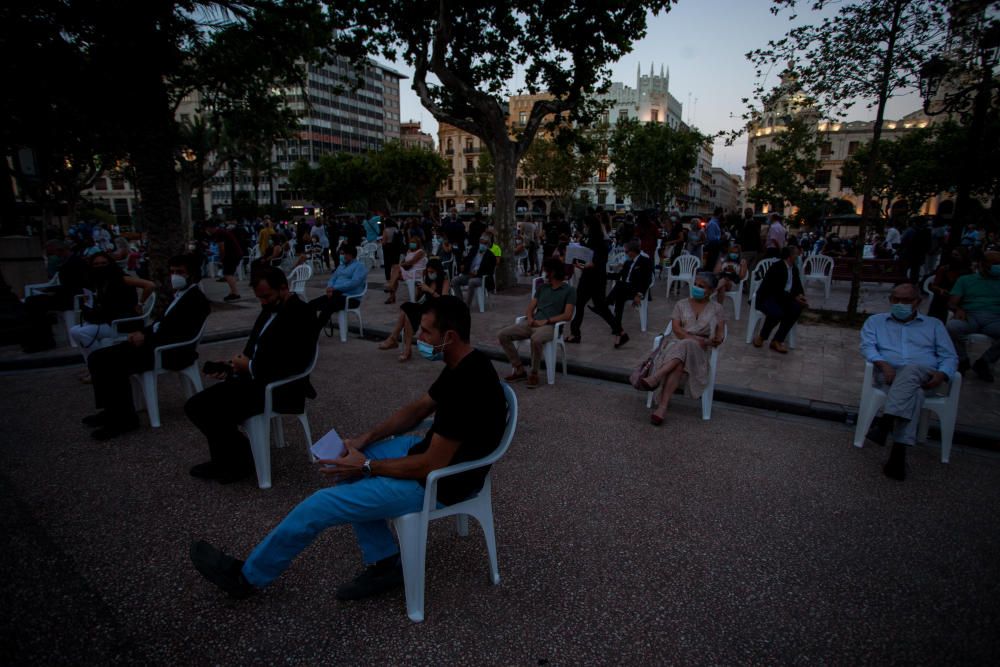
[[483, 248], [413, 246], [697, 293], [901, 311], [343, 259], [430, 352], [734, 256], [995, 270]]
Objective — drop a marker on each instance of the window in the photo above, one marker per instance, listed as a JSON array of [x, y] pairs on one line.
[[468, 145], [622, 115], [654, 116], [853, 147], [606, 118], [451, 184], [602, 174], [619, 199], [823, 178], [469, 166], [522, 118], [101, 184], [826, 149], [602, 197], [117, 183]]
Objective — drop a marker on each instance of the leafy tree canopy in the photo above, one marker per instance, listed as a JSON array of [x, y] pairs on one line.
[[652, 161]]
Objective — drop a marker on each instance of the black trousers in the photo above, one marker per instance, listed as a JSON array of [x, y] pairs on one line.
[[325, 306], [218, 411], [110, 368], [619, 296], [591, 288], [782, 312]]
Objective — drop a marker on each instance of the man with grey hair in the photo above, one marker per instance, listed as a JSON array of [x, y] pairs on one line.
[[912, 354], [632, 284]]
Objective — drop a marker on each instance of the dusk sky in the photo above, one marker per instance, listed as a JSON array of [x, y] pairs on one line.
[[703, 43]]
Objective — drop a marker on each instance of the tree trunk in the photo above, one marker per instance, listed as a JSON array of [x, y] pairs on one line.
[[232, 189], [869, 207], [504, 173], [184, 190]]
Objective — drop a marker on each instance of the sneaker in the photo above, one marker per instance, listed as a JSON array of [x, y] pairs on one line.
[[221, 569], [377, 578], [533, 381], [231, 297], [516, 376], [982, 369]]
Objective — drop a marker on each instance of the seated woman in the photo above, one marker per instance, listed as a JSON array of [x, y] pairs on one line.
[[731, 269], [113, 297], [698, 326], [411, 268], [435, 284]]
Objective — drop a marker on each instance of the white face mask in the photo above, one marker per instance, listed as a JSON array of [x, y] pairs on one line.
[[178, 282]]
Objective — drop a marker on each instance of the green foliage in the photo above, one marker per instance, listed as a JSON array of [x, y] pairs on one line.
[[482, 181], [908, 168], [561, 167], [786, 172], [652, 161]]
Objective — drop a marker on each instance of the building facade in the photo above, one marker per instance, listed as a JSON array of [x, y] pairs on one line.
[[412, 135], [462, 151], [726, 191]]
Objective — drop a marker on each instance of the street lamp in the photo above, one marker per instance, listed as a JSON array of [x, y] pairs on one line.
[[932, 74]]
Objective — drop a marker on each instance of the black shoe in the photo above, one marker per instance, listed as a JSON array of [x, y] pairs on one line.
[[377, 578], [221, 569], [230, 475], [622, 340], [231, 297], [207, 470], [95, 420], [895, 467], [983, 371], [573, 340], [963, 366], [114, 429]]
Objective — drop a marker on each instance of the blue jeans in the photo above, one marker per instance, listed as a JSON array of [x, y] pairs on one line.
[[366, 504]]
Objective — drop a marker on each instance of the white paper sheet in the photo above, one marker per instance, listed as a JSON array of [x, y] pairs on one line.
[[330, 446]]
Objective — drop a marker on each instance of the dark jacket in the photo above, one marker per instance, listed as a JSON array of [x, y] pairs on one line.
[[182, 323], [486, 267], [639, 280], [284, 348], [773, 284]]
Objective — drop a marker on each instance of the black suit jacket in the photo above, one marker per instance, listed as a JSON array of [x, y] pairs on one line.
[[640, 280], [284, 348], [183, 322], [486, 267], [773, 285]]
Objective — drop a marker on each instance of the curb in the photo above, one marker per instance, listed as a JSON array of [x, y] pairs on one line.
[[971, 436]]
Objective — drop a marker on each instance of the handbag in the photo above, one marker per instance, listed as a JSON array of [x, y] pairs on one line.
[[643, 370]]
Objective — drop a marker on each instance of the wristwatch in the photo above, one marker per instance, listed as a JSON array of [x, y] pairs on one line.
[[366, 467]]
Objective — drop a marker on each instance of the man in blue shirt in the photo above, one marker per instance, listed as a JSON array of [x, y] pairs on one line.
[[911, 353], [350, 277], [713, 234]]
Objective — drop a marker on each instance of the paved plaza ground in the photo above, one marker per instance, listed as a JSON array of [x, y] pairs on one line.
[[752, 538]]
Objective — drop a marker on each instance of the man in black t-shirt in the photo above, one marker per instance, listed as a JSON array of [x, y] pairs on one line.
[[387, 472]]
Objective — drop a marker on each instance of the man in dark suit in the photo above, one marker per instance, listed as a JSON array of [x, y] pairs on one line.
[[111, 367], [282, 343], [478, 266], [781, 298], [632, 283]]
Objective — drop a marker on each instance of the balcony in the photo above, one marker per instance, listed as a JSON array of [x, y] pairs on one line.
[[449, 151], [472, 150]]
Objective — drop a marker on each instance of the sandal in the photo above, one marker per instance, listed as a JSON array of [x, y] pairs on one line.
[[405, 356], [388, 345]]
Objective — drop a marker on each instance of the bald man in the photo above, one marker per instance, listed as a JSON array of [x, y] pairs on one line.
[[975, 298], [912, 353]]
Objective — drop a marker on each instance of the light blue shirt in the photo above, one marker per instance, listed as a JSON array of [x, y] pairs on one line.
[[349, 278], [713, 232], [922, 341]]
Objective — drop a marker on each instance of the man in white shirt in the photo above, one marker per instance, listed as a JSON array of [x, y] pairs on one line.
[[776, 236]]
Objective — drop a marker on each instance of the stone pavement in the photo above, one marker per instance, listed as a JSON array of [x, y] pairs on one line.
[[825, 366], [750, 539]]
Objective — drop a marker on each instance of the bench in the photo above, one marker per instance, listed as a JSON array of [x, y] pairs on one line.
[[872, 270]]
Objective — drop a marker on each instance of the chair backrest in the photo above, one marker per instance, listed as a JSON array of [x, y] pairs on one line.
[[291, 378], [687, 264], [758, 273], [818, 265], [158, 350], [147, 307], [298, 278], [928, 281]]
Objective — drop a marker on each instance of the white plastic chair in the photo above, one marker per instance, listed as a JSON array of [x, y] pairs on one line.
[[144, 385], [147, 314], [713, 367], [259, 427], [758, 273], [482, 294], [756, 317], [35, 289], [368, 253], [946, 408], [342, 315], [818, 268], [298, 278], [411, 529], [643, 306], [736, 295], [549, 350], [687, 266]]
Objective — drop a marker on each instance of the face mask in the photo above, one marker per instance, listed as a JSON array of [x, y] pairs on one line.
[[432, 276], [901, 311], [178, 282], [343, 259], [413, 246], [697, 293], [270, 308], [482, 248], [429, 352], [995, 270], [734, 256]]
